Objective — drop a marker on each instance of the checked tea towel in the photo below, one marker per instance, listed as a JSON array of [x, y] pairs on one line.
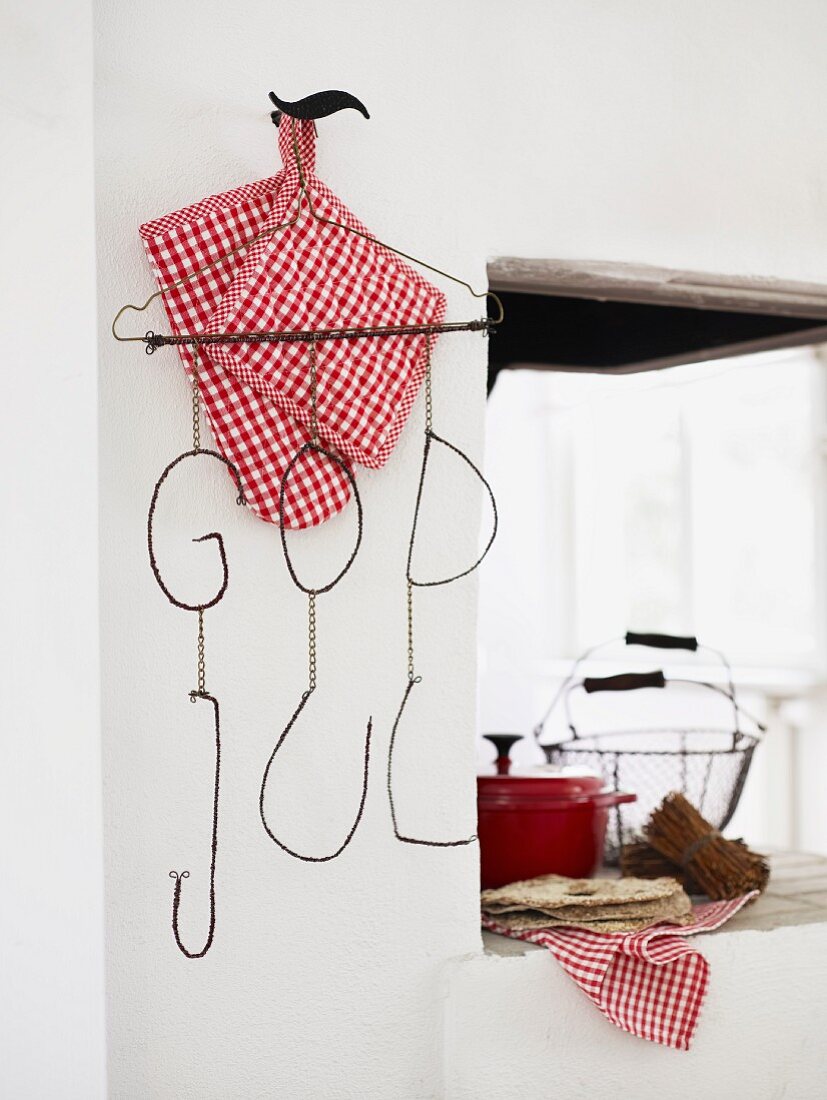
[[650, 983]]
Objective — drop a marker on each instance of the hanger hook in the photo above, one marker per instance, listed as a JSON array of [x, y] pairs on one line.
[[149, 337], [135, 309], [319, 104]]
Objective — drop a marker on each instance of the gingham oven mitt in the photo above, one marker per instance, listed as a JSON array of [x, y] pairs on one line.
[[316, 275], [252, 431]]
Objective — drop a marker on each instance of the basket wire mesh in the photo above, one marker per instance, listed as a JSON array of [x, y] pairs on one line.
[[709, 765]]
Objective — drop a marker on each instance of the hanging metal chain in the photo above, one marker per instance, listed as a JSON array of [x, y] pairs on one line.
[[317, 452], [429, 396], [429, 423], [201, 662], [431, 439], [311, 596], [411, 675], [314, 393], [199, 692], [196, 402], [196, 446], [311, 642]]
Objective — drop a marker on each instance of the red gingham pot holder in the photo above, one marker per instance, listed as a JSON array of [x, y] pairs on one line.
[[253, 433], [312, 275]]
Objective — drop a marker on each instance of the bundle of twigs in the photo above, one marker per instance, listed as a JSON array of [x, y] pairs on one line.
[[640, 860], [703, 860]]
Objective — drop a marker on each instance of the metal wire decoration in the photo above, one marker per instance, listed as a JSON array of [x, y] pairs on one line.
[[200, 691], [315, 106], [312, 592], [707, 764], [431, 438]]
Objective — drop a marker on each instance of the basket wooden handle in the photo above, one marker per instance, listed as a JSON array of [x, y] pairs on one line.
[[626, 681], [662, 641]]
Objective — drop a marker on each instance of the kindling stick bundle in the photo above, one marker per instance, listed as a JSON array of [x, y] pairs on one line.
[[640, 860], [699, 856]]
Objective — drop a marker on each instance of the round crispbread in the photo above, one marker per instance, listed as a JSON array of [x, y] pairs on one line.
[[517, 922], [676, 904], [551, 892]]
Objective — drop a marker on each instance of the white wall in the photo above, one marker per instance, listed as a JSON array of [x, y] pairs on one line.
[[688, 136], [322, 981], [51, 913]]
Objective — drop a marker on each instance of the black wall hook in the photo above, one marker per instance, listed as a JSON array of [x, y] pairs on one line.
[[317, 105]]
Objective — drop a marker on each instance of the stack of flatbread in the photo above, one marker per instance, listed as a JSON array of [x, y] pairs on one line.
[[602, 905]]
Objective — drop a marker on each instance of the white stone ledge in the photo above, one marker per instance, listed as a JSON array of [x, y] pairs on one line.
[[518, 1028]]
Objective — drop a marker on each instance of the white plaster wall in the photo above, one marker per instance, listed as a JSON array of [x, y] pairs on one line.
[[51, 896], [688, 136], [322, 981]]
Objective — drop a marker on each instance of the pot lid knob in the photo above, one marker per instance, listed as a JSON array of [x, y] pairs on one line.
[[503, 743]]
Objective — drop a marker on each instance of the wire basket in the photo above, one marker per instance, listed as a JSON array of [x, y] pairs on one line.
[[707, 764]]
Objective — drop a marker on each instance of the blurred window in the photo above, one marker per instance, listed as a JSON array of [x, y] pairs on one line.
[[684, 501]]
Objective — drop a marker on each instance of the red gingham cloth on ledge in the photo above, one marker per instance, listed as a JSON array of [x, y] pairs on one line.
[[650, 983]]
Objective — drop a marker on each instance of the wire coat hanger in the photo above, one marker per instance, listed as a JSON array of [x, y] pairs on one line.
[[318, 105]]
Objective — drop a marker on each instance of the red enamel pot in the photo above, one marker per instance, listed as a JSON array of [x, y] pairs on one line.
[[540, 821]]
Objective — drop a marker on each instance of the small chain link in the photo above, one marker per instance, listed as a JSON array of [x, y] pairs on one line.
[[410, 632], [196, 402], [202, 673], [314, 420], [429, 397], [429, 420], [196, 446], [311, 640]]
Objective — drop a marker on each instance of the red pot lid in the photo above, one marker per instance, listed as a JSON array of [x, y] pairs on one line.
[[543, 781]]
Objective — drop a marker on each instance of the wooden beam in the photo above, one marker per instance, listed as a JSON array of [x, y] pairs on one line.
[[626, 282]]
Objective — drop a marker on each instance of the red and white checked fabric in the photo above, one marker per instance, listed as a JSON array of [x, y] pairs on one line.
[[313, 275], [249, 429], [650, 983]]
